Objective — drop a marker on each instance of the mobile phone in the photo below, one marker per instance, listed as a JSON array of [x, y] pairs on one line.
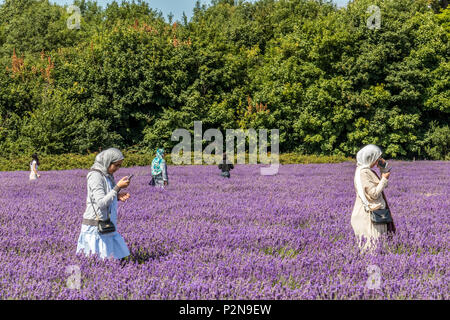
[[129, 178], [382, 164]]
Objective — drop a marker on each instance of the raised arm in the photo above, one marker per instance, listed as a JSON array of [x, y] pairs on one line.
[[102, 199], [372, 186]]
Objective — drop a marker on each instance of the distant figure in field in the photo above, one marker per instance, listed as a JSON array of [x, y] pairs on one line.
[[101, 204], [159, 170], [225, 167], [34, 164], [370, 196]]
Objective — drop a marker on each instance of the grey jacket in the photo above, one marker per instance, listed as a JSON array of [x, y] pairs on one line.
[[102, 195]]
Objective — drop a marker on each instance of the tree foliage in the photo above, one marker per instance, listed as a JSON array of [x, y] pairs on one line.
[[317, 73]]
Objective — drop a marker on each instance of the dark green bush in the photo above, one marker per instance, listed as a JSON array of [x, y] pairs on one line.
[[132, 159], [315, 72]]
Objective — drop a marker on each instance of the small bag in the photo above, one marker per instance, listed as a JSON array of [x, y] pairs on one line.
[[381, 216], [152, 182], [106, 226]]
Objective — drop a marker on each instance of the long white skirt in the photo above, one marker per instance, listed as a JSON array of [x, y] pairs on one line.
[[110, 245]]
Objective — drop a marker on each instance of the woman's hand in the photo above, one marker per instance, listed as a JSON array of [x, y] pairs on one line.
[[123, 196], [386, 175], [123, 183], [165, 183]]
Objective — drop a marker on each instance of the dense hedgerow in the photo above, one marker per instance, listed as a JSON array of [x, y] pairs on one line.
[[132, 158], [315, 72]]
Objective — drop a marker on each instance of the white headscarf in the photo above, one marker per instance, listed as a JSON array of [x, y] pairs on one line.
[[364, 158], [104, 159]]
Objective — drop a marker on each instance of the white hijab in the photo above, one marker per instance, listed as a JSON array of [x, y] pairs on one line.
[[364, 158]]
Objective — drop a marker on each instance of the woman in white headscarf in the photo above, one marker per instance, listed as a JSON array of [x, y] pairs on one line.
[[369, 196], [102, 196]]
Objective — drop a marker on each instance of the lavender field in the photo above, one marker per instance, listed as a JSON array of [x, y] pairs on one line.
[[250, 237]]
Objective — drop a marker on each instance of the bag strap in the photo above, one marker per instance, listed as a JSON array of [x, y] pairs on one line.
[[364, 203], [385, 201], [92, 202], [366, 206]]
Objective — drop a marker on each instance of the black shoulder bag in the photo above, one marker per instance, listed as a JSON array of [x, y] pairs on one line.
[[379, 216]]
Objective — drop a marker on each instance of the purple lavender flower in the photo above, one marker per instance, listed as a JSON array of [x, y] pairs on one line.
[[250, 237]]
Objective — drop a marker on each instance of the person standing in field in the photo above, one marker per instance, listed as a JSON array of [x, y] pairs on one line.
[[369, 196], [225, 167], [34, 164], [159, 170], [101, 204]]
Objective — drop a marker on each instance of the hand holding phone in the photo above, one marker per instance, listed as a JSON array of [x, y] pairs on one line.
[[384, 165], [123, 183]]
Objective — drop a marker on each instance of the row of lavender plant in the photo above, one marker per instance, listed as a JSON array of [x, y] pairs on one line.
[[249, 237]]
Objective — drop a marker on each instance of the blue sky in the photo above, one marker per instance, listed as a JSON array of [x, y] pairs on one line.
[[166, 6]]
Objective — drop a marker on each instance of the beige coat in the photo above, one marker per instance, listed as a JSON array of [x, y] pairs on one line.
[[361, 223]]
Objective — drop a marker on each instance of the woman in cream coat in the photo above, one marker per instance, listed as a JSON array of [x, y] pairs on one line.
[[369, 194]]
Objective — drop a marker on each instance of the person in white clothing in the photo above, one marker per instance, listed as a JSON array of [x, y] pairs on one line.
[[101, 204], [33, 167], [369, 194]]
